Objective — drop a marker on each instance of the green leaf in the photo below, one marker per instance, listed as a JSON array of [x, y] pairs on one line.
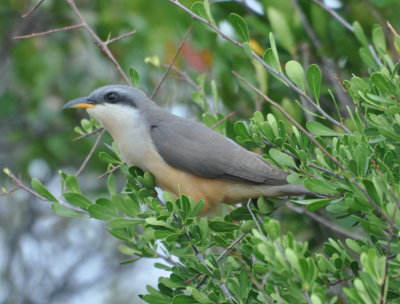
[[378, 38], [198, 9], [103, 209], [111, 184], [126, 205], [240, 26], [319, 129], [199, 296], [152, 221], [77, 199], [275, 51], [281, 29], [183, 299], [107, 158], [121, 222], [148, 180], [62, 210], [296, 73], [135, 78], [222, 226], [359, 32], [38, 187], [71, 184], [314, 77], [313, 204], [282, 158], [320, 186], [208, 11]]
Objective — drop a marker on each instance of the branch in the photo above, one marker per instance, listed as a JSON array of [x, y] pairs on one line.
[[172, 62], [21, 185], [61, 29], [120, 37], [109, 172], [28, 13], [324, 222], [87, 134], [265, 65], [184, 76], [223, 120], [101, 45], [287, 115], [85, 162], [334, 15]]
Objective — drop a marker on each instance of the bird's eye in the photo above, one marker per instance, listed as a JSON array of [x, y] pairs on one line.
[[111, 97]]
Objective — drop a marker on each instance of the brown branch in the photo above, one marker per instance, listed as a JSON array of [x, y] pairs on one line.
[[224, 253], [223, 120], [184, 76], [61, 29], [265, 65], [109, 172], [334, 15], [290, 118], [100, 43], [28, 13], [120, 37], [172, 62], [87, 134], [21, 185], [85, 162], [324, 222]]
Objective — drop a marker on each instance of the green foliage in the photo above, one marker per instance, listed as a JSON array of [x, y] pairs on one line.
[[244, 254]]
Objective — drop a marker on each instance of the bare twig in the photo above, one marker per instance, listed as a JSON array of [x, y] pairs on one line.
[[265, 65], [226, 292], [61, 29], [100, 44], [390, 26], [21, 185], [8, 192], [290, 118], [224, 253], [172, 62], [85, 162], [184, 76], [87, 134], [28, 13], [324, 222], [120, 37], [109, 172], [347, 26], [334, 14], [223, 120]]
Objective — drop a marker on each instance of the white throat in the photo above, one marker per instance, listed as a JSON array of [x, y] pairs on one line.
[[129, 129]]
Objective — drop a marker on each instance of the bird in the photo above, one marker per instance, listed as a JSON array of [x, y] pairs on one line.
[[184, 156]]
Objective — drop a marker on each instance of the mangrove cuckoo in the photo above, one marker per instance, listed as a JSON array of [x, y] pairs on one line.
[[184, 156]]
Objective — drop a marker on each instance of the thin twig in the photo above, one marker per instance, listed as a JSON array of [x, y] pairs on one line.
[[226, 292], [8, 192], [87, 134], [172, 62], [224, 253], [100, 43], [265, 65], [324, 222], [61, 29], [223, 120], [120, 37], [28, 13], [21, 185], [109, 172], [85, 162], [347, 26], [290, 118], [334, 15], [184, 76]]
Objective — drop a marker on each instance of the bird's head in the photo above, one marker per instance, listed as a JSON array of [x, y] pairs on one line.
[[113, 104]]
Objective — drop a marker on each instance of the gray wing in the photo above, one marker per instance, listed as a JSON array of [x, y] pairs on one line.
[[192, 147]]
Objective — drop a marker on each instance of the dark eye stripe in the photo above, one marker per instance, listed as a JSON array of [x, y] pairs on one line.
[[111, 97]]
